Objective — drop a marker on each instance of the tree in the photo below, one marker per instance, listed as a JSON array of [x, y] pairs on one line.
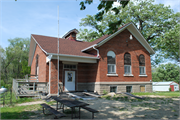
[[166, 72], [154, 21], [88, 35], [14, 63]]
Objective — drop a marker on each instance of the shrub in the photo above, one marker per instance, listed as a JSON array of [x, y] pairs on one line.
[[169, 89], [105, 92]]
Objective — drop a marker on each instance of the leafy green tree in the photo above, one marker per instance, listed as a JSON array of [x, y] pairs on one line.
[[104, 7], [157, 23], [87, 35], [166, 72], [15, 60]]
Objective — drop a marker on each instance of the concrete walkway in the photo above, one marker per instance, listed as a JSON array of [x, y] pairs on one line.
[[31, 103]]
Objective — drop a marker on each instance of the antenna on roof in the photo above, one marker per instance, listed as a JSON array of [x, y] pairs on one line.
[[58, 52]]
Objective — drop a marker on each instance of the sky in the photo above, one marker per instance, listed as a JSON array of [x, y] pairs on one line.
[[22, 18]]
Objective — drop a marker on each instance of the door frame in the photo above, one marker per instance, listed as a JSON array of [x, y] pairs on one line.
[[64, 73]]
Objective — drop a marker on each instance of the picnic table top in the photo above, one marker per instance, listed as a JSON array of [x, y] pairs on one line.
[[69, 102]]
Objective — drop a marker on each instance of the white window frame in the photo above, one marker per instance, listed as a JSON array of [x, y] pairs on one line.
[[140, 67], [69, 68], [125, 71], [111, 72]]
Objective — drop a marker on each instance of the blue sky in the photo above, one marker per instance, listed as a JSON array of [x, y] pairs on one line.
[[22, 18]]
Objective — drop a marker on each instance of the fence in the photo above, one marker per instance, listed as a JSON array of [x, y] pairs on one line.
[[6, 98], [30, 86]]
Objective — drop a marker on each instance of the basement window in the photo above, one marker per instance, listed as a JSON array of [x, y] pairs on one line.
[[113, 89], [128, 89]]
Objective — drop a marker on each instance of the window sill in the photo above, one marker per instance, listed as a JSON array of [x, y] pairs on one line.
[[131, 75], [143, 75], [112, 74]]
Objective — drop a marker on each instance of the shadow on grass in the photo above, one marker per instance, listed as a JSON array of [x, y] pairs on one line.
[[17, 115]]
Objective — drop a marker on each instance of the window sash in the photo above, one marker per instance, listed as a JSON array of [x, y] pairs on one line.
[[127, 69], [129, 89], [111, 68], [142, 70]]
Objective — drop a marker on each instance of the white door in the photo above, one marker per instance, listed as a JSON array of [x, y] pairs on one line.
[[69, 80]]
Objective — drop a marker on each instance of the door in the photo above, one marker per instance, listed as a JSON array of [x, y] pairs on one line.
[[172, 87], [69, 80]]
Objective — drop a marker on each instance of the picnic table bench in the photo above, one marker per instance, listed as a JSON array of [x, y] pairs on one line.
[[90, 110], [52, 110]]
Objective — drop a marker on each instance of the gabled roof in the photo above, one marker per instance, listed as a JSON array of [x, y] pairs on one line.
[[164, 83], [79, 48], [73, 30], [134, 31]]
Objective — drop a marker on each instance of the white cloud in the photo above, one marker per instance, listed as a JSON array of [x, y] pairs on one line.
[[174, 4], [116, 4]]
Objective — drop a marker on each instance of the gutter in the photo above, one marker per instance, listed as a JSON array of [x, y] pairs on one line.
[[49, 75], [97, 51]]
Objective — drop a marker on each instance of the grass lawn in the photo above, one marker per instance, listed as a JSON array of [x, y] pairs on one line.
[[14, 100], [167, 94], [18, 112]]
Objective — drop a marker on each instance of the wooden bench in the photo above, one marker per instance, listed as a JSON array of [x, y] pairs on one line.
[[53, 111], [90, 110]]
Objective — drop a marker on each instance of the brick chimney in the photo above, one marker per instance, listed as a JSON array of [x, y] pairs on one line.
[[71, 35]]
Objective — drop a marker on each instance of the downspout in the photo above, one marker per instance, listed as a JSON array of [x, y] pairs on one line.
[[96, 50], [50, 56]]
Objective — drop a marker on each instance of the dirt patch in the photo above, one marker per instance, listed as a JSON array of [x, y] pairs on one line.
[[31, 103], [150, 108]]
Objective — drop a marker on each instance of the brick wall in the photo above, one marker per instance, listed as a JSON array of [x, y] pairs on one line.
[[41, 63], [118, 44]]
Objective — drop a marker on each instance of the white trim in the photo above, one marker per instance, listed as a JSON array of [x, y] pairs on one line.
[[141, 39], [50, 77], [38, 44], [109, 72], [140, 70], [112, 75], [88, 47], [130, 75], [73, 30], [143, 75], [130, 70], [96, 50], [70, 68], [48, 58], [72, 56]]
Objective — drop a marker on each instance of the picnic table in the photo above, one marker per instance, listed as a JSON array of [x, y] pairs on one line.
[[69, 103]]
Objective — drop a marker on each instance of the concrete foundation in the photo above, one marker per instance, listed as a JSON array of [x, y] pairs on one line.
[[100, 87]]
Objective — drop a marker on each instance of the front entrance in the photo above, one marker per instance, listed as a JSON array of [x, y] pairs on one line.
[[69, 80]]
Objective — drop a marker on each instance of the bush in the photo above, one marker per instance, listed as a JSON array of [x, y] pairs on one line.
[[169, 89], [105, 92]]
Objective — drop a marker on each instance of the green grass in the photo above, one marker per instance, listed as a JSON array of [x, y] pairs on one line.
[[14, 100], [167, 94], [18, 112]]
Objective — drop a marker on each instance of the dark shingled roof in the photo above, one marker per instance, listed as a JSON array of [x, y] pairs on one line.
[[66, 46]]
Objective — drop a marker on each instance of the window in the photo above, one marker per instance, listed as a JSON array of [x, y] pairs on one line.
[[127, 63], [142, 65], [113, 89], [111, 61], [142, 70], [37, 67], [66, 66], [129, 89]]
